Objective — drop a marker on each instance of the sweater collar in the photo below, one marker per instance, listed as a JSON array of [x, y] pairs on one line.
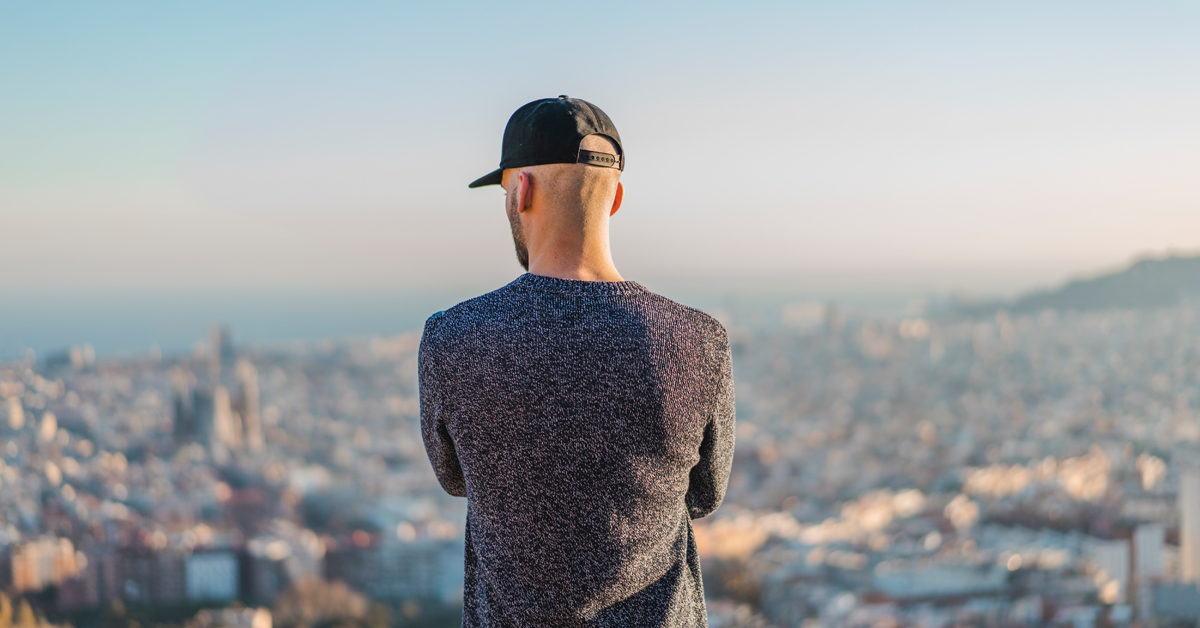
[[546, 283]]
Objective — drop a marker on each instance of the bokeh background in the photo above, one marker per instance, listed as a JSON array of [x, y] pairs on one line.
[[957, 246]]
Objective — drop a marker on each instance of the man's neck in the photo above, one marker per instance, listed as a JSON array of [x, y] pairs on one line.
[[575, 267]]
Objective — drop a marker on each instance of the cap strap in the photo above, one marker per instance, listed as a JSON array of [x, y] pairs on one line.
[[594, 158]]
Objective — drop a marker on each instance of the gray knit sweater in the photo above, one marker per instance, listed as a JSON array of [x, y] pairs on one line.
[[587, 423]]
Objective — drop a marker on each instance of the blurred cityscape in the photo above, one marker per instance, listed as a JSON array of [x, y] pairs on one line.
[[1023, 468]]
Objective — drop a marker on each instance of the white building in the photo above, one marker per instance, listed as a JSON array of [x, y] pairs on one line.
[[1148, 563], [1189, 524], [1111, 557]]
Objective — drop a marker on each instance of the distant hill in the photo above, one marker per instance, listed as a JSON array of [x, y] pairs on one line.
[[1148, 282]]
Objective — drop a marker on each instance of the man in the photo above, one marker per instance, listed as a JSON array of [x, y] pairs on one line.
[[586, 419]]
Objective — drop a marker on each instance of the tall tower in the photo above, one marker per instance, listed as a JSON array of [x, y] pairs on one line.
[[226, 427], [248, 406], [1189, 523], [220, 351], [184, 420]]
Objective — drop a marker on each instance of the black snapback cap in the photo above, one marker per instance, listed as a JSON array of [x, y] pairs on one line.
[[548, 131]]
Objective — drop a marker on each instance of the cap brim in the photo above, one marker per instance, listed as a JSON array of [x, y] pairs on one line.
[[491, 178]]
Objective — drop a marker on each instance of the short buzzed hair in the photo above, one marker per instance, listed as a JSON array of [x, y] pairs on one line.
[[586, 188]]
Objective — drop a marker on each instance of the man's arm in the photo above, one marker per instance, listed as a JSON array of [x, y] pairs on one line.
[[710, 476], [438, 444]]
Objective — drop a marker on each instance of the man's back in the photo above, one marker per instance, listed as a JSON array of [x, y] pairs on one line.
[[587, 423]]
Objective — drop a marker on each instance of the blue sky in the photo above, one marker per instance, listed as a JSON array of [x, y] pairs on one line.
[[851, 146]]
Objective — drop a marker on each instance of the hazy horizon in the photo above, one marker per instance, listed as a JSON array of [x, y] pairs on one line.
[[128, 321], [133, 320]]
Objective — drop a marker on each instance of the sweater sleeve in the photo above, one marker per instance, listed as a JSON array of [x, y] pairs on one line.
[[710, 476], [438, 444]]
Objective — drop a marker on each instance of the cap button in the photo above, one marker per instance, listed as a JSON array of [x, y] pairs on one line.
[[562, 95]]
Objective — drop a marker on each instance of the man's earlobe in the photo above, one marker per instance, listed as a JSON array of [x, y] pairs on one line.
[[617, 199]]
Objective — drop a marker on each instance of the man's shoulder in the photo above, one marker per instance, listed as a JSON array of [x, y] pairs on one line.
[[464, 310], [694, 316]]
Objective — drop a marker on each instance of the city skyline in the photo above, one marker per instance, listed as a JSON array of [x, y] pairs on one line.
[[1023, 469]]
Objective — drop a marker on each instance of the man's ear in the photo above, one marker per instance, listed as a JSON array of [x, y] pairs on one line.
[[617, 199], [524, 191]]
